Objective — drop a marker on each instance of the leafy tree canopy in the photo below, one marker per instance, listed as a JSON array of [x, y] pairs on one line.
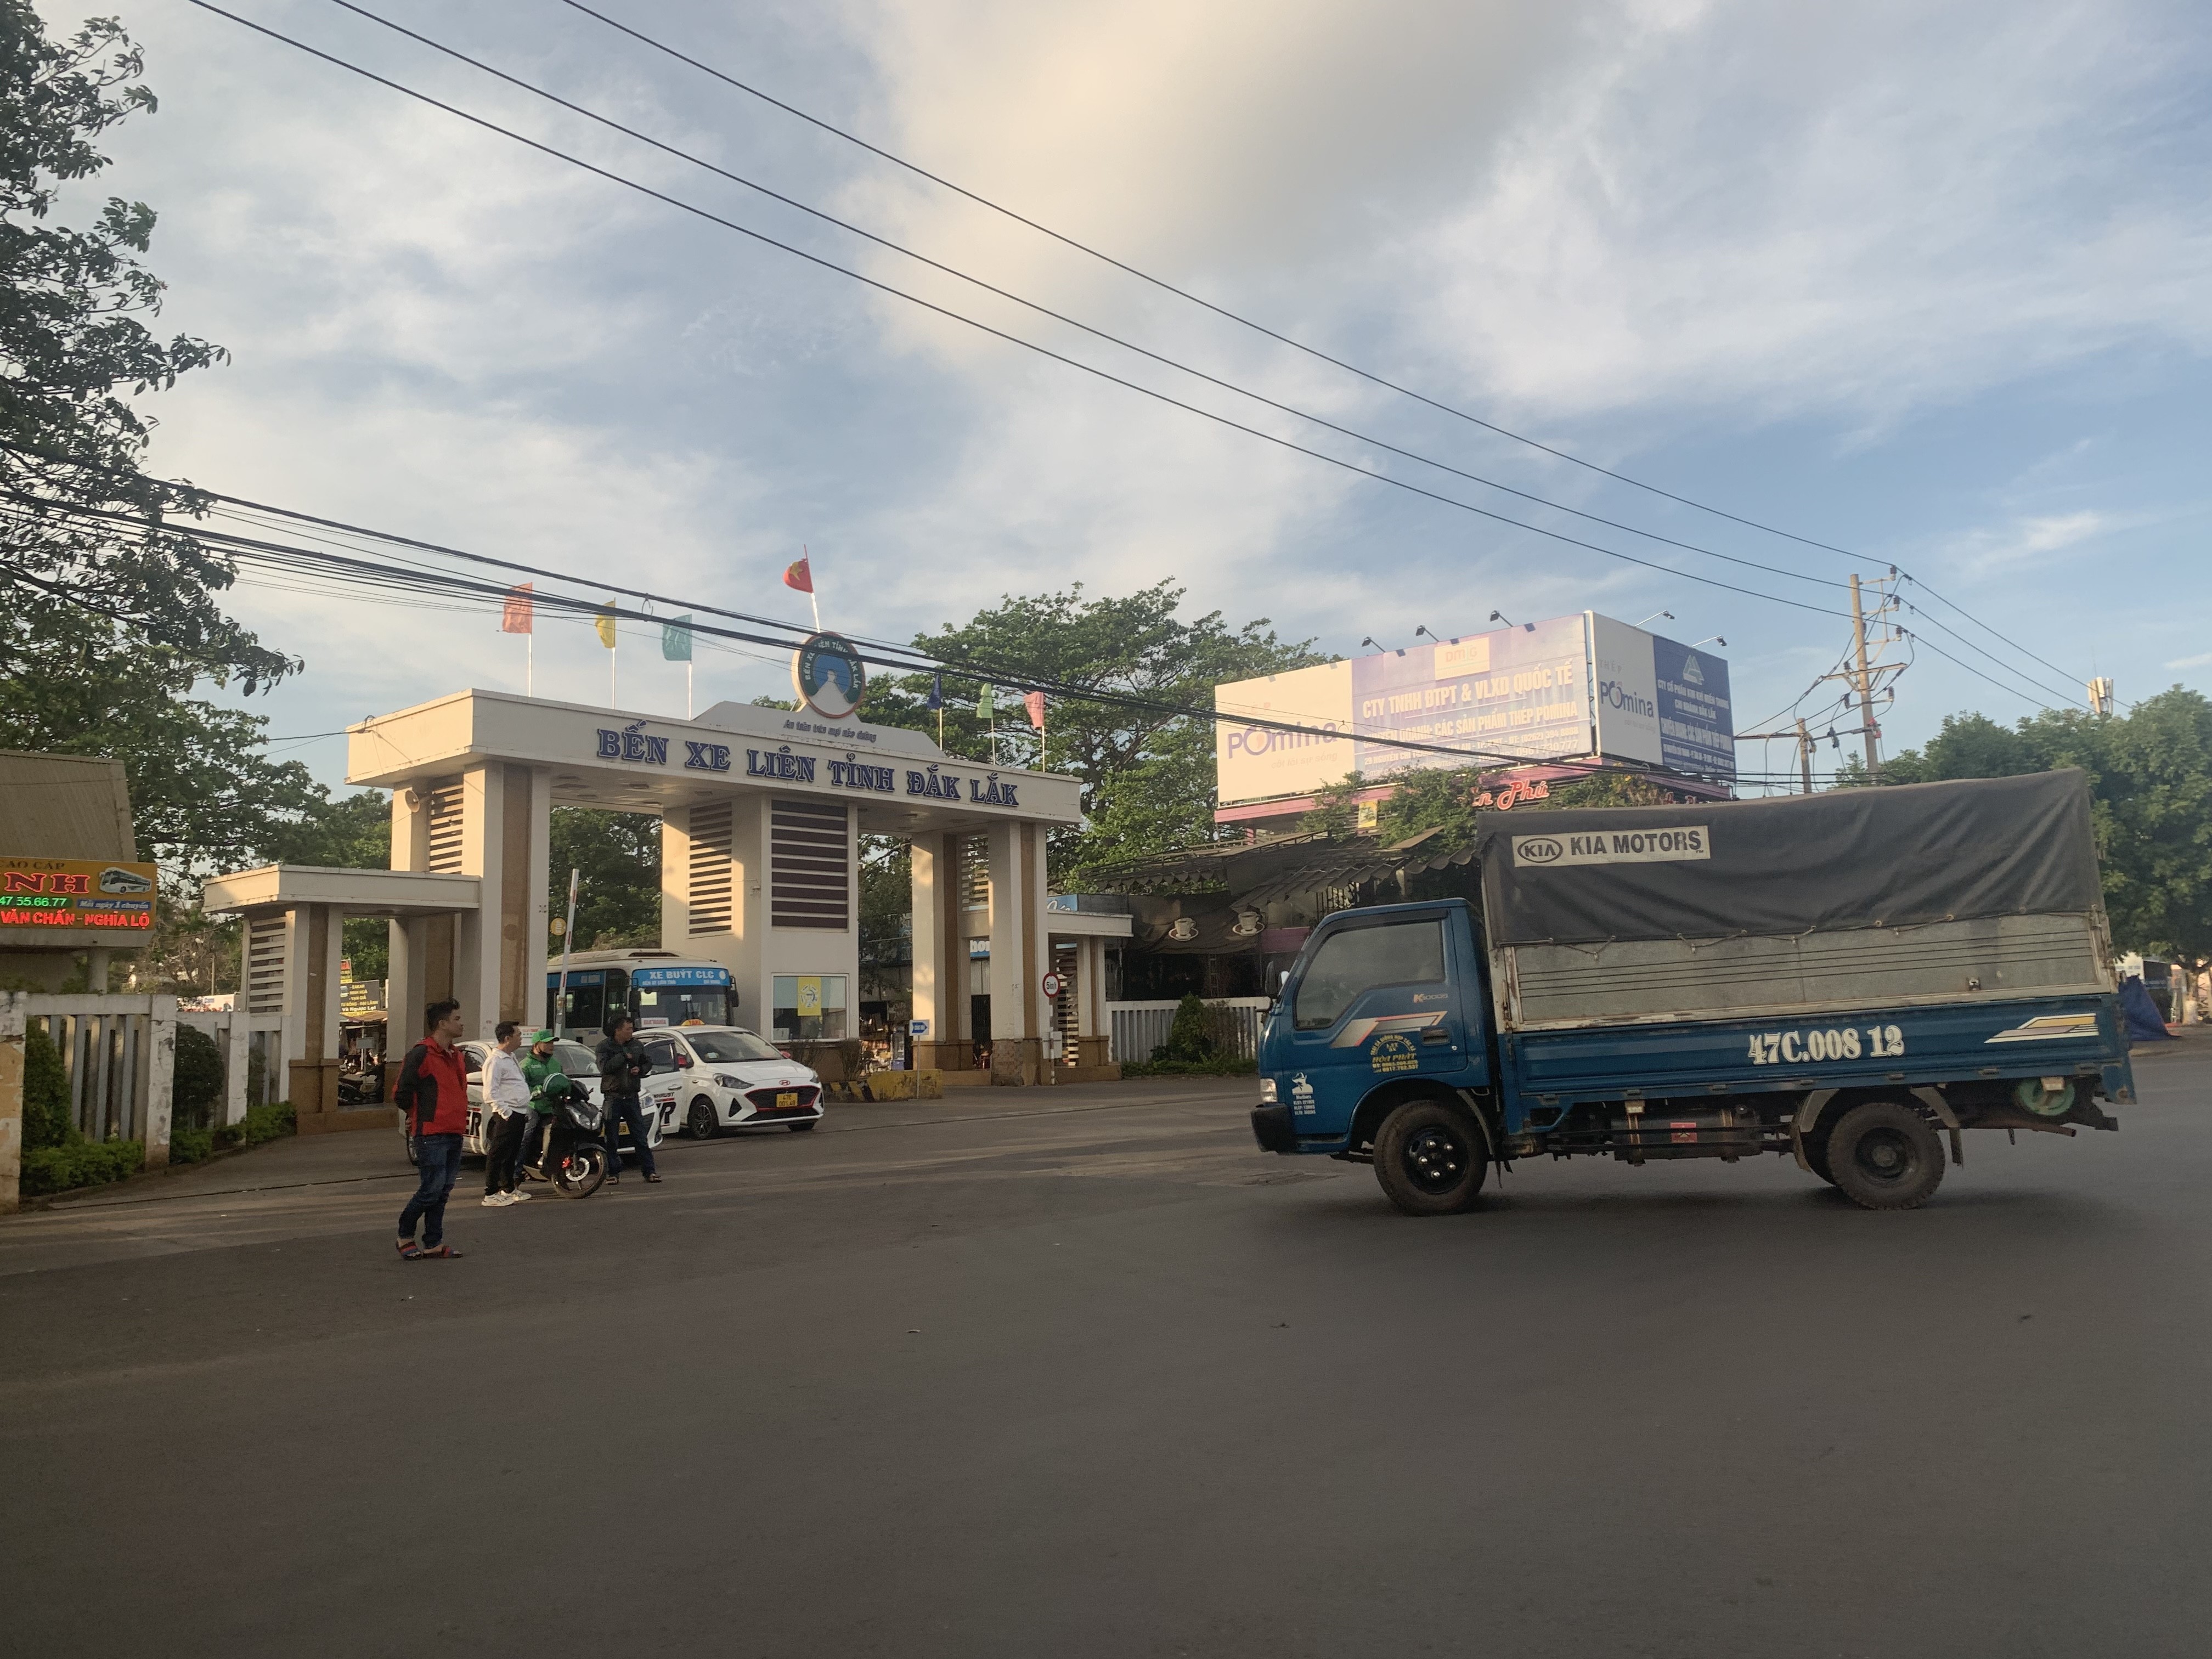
[[617, 856], [1147, 778], [84, 550], [2150, 785]]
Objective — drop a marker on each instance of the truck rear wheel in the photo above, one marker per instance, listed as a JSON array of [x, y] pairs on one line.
[[1882, 1155], [1430, 1158]]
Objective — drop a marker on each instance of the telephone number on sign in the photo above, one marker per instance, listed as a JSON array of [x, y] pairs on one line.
[[1845, 1042]]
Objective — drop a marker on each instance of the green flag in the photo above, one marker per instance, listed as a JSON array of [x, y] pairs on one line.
[[676, 639], [984, 708]]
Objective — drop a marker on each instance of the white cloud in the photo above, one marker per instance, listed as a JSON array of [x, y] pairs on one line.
[[2202, 659], [2029, 540]]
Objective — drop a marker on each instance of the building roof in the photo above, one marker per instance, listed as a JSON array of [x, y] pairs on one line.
[[64, 806]]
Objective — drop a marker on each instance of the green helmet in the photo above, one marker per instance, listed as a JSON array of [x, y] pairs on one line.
[[558, 1087]]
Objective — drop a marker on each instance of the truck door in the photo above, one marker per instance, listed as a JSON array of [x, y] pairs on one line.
[[1374, 1003]]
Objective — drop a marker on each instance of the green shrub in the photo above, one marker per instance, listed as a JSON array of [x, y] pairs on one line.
[[190, 1144], [198, 1084], [1190, 1038], [46, 1093], [80, 1163], [1214, 1065], [265, 1123]]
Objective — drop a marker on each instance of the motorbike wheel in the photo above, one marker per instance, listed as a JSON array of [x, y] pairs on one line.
[[581, 1170]]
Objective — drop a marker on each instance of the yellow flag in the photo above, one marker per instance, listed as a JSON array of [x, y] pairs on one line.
[[605, 624]]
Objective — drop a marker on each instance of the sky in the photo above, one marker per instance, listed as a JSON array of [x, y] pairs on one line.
[[1929, 282]]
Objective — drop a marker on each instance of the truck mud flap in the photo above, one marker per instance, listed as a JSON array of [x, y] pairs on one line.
[[1933, 1101], [1807, 1114]]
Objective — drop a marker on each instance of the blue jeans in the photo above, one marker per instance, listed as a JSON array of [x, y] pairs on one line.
[[438, 1161], [621, 1110], [533, 1137]]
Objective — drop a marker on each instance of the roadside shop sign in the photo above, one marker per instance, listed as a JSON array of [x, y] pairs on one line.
[[78, 893]]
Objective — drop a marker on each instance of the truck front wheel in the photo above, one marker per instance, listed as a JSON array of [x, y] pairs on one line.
[[1882, 1155], [1430, 1158]]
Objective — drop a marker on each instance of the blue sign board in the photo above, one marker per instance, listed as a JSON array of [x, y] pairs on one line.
[[679, 977], [1697, 722]]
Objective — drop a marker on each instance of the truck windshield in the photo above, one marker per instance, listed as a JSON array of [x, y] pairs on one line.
[[1356, 960]]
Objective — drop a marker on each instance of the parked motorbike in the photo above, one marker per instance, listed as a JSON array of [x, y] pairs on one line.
[[575, 1156]]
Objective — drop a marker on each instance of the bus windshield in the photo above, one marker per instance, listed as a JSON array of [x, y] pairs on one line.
[[681, 1004]]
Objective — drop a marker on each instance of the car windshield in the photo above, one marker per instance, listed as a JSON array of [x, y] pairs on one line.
[[576, 1059], [730, 1047]]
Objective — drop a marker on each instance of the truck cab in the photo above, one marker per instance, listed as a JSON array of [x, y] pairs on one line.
[[1384, 1007]]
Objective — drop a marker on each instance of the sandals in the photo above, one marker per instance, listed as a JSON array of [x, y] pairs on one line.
[[409, 1249], [440, 1252]]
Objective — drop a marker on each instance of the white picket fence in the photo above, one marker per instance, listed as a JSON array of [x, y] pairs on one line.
[[1139, 1027], [121, 1054]]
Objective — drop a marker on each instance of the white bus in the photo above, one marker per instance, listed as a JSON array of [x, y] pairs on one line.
[[659, 988]]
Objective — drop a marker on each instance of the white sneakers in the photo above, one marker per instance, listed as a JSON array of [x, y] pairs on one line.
[[516, 1196], [501, 1201]]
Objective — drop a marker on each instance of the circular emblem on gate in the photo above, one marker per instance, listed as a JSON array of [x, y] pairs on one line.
[[826, 672]]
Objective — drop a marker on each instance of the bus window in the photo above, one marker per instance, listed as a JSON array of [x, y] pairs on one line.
[[585, 1002], [682, 1004]]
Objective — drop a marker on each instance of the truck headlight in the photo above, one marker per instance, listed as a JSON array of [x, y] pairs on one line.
[[1267, 1092]]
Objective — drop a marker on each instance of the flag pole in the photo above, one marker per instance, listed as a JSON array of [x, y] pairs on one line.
[[687, 688], [530, 665]]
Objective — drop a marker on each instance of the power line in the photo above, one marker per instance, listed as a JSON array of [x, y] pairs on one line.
[[1314, 352], [1184, 294], [983, 327], [1059, 357], [373, 574], [1061, 316]]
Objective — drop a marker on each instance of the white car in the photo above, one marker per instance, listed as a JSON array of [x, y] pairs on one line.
[[707, 1078]]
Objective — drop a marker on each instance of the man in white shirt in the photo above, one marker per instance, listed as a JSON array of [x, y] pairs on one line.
[[506, 1097]]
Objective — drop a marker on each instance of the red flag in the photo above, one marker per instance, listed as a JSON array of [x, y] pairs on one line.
[[1034, 702], [515, 615], [799, 576]]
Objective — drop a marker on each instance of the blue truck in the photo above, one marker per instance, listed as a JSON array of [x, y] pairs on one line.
[[1850, 979]]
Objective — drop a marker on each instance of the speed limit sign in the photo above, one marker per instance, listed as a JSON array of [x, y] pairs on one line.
[[1050, 985]]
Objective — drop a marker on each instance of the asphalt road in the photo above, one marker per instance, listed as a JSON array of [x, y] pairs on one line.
[[1081, 1373]]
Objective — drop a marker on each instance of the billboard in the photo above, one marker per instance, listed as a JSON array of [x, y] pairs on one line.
[[1522, 692], [47, 894], [1560, 689], [1252, 762]]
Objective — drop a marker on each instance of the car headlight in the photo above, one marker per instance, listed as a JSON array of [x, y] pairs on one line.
[[729, 1082], [1267, 1092]]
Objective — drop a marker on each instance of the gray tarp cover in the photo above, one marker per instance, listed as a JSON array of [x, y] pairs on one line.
[[1851, 858]]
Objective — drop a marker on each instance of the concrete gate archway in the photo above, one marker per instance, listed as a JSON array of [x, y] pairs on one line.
[[761, 813]]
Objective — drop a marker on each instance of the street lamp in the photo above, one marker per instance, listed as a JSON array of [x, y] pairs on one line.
[[1499, 615], [1370, 641], [1712, 638], [1655, 616]]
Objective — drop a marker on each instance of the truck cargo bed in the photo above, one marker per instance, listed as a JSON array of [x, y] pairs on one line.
[[1992, 959]]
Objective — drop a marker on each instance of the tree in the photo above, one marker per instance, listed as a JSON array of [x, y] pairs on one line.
[[1147, 778], [617, 855], [86, 550], [2150, 786]]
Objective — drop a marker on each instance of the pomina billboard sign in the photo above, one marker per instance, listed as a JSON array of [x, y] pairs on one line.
[[1560, 690]]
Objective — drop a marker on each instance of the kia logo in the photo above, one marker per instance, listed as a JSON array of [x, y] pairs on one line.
[[1538, 849]]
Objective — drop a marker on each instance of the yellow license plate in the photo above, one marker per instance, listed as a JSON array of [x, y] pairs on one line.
[[786, 1100]]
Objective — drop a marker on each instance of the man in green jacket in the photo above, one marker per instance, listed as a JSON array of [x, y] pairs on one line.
[[538, 1065]]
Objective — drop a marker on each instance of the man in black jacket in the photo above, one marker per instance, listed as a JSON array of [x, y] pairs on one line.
[[622, 1066]]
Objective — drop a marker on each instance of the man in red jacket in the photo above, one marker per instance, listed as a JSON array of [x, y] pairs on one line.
[[433, 1091]]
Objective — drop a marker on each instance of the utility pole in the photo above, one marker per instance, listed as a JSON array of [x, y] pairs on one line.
[[1865, 684], [1805, 756]]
